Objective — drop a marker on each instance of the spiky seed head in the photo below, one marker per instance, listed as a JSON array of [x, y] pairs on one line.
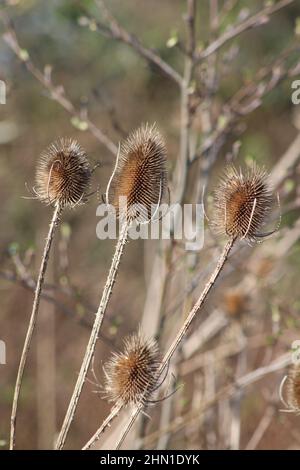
[[63, 174], [130, 376], [141, 175], [243, 201], [293, 389]]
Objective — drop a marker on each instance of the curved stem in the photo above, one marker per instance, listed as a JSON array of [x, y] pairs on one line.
[[181, 333], [32, 322], [107, 422], [93, 337]]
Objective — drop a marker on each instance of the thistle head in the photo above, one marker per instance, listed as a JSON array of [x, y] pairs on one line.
[[63, 174], [293, 389], [131, 374], [243, 201], [141, 175]]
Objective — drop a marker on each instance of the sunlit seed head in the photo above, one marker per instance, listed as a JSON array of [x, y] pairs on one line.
[[63, 174], [131, 374], [242, 203], [293, 389], [141, 175]]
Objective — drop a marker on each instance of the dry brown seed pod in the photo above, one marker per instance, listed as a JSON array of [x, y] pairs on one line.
[[293, 389], [130, 376], [243, 201], [63, 174], [141, 176]]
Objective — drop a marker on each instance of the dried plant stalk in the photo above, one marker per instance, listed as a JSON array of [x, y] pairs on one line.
[[32, 322], [106, 423], [93, 338], [62, 178], [182, 332]]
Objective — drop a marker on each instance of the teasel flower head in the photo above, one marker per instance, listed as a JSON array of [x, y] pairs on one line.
[[292, 384], [130, 375], [140, 178], [242, 203], [63, 174]]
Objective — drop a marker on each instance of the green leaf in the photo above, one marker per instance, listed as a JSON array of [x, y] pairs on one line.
[[297, 26], [79, 123], [23, 54], [173, 39]]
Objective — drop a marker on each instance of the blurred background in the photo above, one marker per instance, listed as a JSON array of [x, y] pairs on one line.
[[71, 70]]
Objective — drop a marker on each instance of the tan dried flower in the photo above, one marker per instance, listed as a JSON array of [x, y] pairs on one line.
[[141, 175], [293, 389], [131, 374], [63, 174], [242, 203]]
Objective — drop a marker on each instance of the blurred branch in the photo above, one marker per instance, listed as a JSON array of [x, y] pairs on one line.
[[249, 98], [229, 390], [227, 7], [28, 284], [180, 176], [291, 237], [11, 277], [284, 165], [259, 19], [114, 30], [56, 92], [262, 427]]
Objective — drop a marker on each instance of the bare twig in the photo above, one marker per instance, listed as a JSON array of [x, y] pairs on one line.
[[286, 162], [182, 164], [106, 423], [227, 391], [114, 30], [259, 19], [57, 92], [32, 322], [249, 98], [261, 428]]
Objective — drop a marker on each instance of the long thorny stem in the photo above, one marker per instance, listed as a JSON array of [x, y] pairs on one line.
[[181, 333], [106, 423], [93, 337], [32, 323]]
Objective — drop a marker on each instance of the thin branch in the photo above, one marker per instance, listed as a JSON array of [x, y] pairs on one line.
[[115, 31], [249, 98], [259, 19], [261, 428], [69, 312], [106, 423], [285, 164], [180, 176], [32, 322], [229, 390], [57, 92]]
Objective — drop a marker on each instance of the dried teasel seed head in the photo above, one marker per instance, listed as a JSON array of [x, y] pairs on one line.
[[243, 201], [130, 376], [293, 389], [63, 174], [141, 175]]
